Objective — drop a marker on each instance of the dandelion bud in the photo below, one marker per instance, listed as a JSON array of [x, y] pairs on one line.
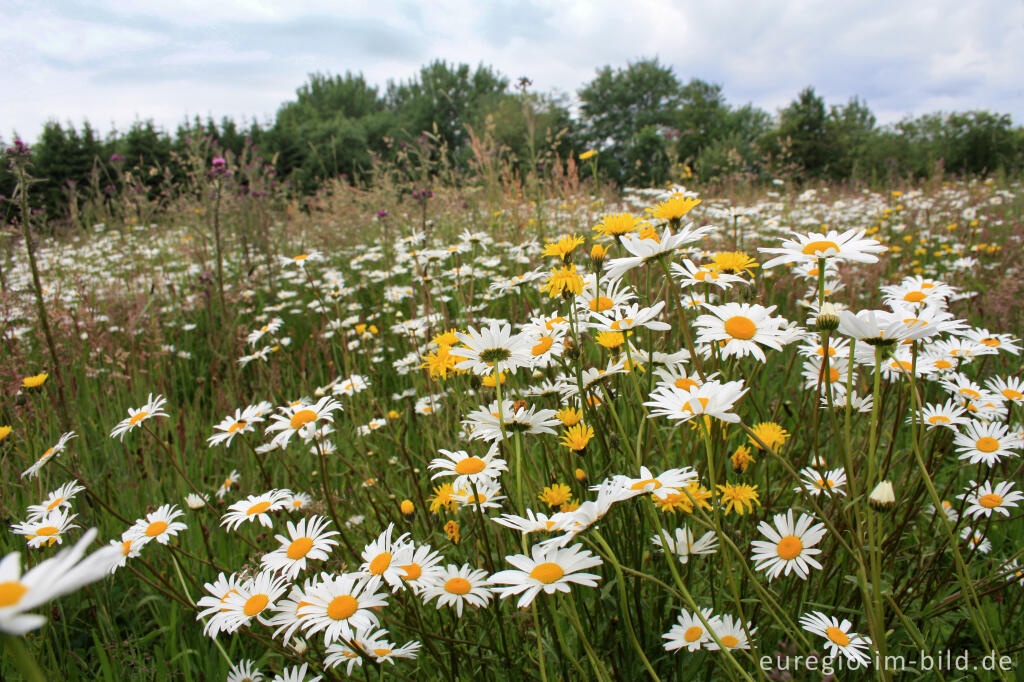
[[882, 497], [597, 256], [407, 507], [828, 318], [581, 475]]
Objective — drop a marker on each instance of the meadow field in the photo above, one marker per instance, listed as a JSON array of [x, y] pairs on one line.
[[487, 427]]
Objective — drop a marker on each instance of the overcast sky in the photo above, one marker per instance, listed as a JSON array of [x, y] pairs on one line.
[[115, 61]]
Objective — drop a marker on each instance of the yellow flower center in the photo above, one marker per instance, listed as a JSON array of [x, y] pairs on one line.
[[1011, 394], [156, 528], [740, 327], [987, 444], [938, 419], [837, 636], [470, 465], [543, 345], [943, 364], [11, 593], [299, 548], [820, 248], [302, 256], [412, 571], [255, 604], [990, 501], [257, 508], [301, 418], [915, 296], [47, 531], [686, 384], [693, 633], [601, 304], [137, 417], [640, 485], [991, 342], [729, 641], [547, 573], [789, 547], [458, 586], [380, 563], [53, 505], [236, 426], [342, 607], [382, 652], [126, 547]]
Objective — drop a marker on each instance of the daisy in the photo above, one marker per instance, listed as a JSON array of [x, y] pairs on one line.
[[297, 501], [457, 586], [241, 422], [975, 540], [684, 546], [250, 599], [650, 247], [816, 483], [483, 495], [339, 605], [985, 499], [484, 423], [468, 469], [689, 631], [232, 479], [62, 442], [790, 547], [731, 633], [302, 419], [296, 673], [352, 651], [669, 482], [532, 523], [214, 604], [1011, 388], [690, 275], [421, 568], [948, 414], [838, 638], [61, 574], [713, 399], [999, 342], [255, 507], [632, 317], [244, 671], [59, 498], [131, 547], [986, 442], [493, 350], [384, 651], [878, 327], [152, 408], [834, 246], [742, 326], [269, 328], [384, 558], [309, 539], [549, 569], [48, 529], [158, 525]]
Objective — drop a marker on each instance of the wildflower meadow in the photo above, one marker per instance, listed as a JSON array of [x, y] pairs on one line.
[[479, 425]]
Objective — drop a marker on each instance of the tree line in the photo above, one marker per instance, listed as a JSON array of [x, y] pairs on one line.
[[647, 125]]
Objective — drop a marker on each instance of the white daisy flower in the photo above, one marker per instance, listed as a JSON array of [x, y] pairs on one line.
[[306, 540], [255, 507], [468, 469], [682, 543], [985, 499], [833, 246], [986, 442], [386, 558], [550, 570], [231, 426], [815, 483], [301, 419], [712, 398], [152, 408], [159, 525], [790, 547], [59, 498], [743, 327], [456, 586], [689, 632], [339, 605], [838, 638], [492, 350], [48, 529], [58, 448]]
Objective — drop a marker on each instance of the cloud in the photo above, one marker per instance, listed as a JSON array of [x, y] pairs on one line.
[[117, 61]]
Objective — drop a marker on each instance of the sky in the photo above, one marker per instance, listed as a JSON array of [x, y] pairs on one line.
[[113, 62]]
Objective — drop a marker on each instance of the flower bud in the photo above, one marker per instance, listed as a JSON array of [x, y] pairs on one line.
[[882, 497]]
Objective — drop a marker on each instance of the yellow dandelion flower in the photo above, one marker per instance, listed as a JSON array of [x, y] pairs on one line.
[[440, 363], [741, 459], [771, 434], [443, 498], [589, 154], [5, 431], [733, 263], [674, 208], [555, 495], [738, 498], [451, 529], [570, 416], [569, 507], [563, 247], [34, 381], [617, 224], [407, 507], [562, 280], [447, 338], [581, 475], [577, 437], [490, 381], [610, 340]]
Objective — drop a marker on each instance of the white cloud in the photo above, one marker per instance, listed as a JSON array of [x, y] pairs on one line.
[[116, 61]]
